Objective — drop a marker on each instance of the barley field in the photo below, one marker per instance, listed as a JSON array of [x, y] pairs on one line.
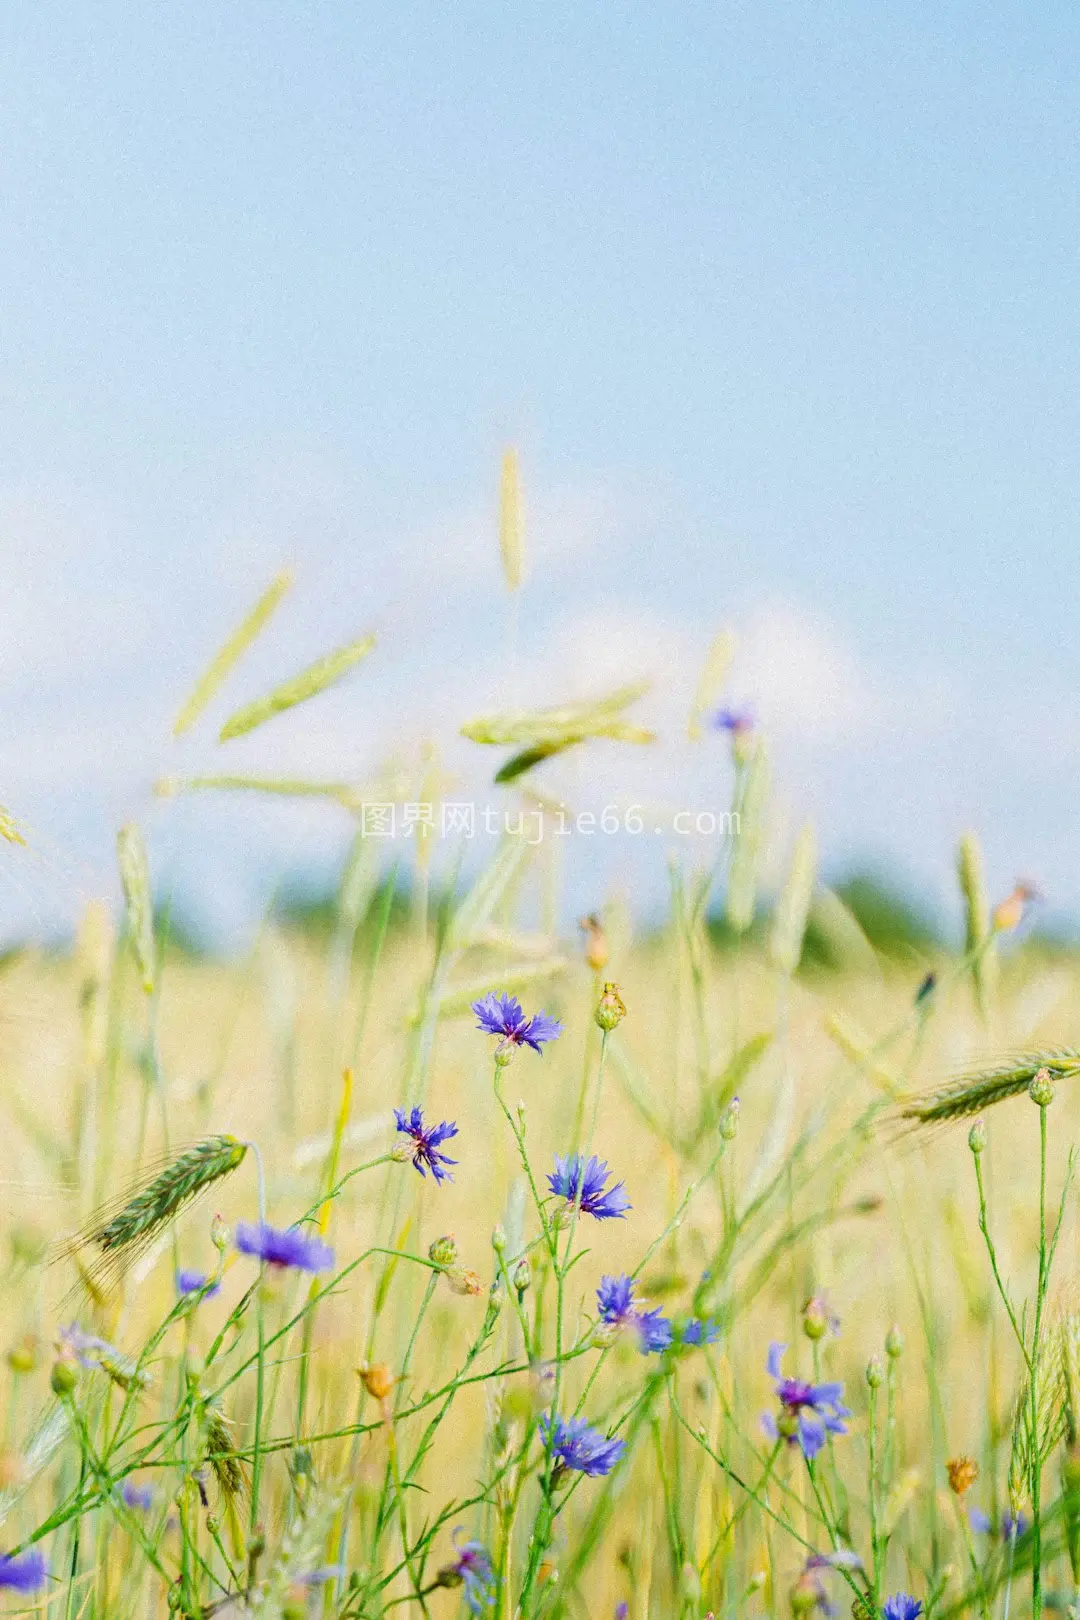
[[436, 1257]]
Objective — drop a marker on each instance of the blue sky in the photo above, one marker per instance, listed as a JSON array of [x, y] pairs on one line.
[[779, 302]]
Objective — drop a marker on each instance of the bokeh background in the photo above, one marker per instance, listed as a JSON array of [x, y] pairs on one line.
[[777, 302]]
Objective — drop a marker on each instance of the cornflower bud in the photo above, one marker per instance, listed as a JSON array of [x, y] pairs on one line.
[[962, 1472], [611, 1010], [977, 1137], [376, 1378], [63, 1378], [462, 1280], [729, 1120], [1041, 1089], [596, 945], [444, 1250]]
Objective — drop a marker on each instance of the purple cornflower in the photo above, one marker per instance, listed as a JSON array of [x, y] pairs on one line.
[[426, 1142], [810, 1588], [568, 1175], [137, 1497], [25, 1574], [576, 1446], [622, 1610], [615, 1303], [807, 1410], [500, 1014], [74, 1343], [472, 1570], [902, 1606], [284, 1248], [196, 1282]]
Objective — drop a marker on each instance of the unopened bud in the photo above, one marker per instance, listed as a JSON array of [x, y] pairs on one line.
[[63, 1378], [1041, 1089], [498, 1239], [376, 1378], [611, 1010], [24, 1356], [604, 1334], [729, 1120], [403, 1150], [875, 1373], [522, 1277], [894, 1343], [977, 1137], [220, 1234], [805, 1596], [815, 1318], [444, 1250], [962, 1472], [596, 945], [450, 1575]]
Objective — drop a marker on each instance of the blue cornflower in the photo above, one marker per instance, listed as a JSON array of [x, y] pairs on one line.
[[284, 1248], [567, 1177], [699, 1331], [735, 721], [616, 1305], [500, 1014], [576, 1446], [807, 1410], [426, 1142], [196, 1282], [1013, 1526], [622, 1610], [472, 1570], [25, 1574], [902, 1606], [137, 1497]]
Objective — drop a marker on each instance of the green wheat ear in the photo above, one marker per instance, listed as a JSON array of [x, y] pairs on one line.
[[972, 1093], [126, 1232], [170, 1192]]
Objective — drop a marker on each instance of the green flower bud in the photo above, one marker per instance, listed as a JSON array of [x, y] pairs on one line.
[[729, 1120], [444, 1250], [894, 1343], [977, 1137], [63, 1378], [1041, 1089], [612, 1009], [875, 1373]]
